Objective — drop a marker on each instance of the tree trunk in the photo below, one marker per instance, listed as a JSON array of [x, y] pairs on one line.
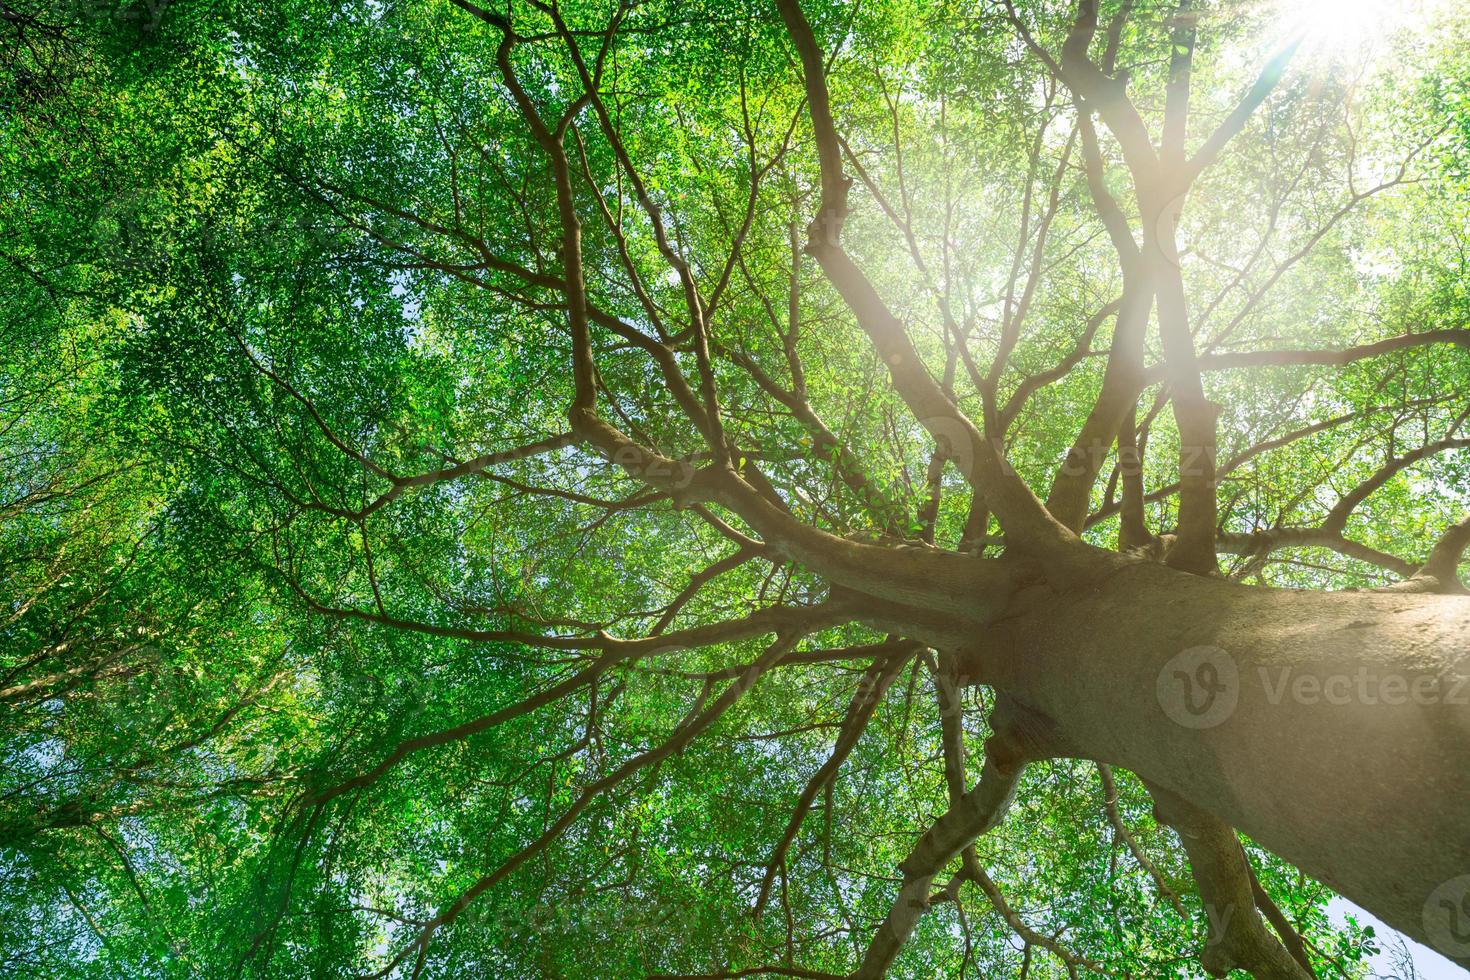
[[1333, 728]]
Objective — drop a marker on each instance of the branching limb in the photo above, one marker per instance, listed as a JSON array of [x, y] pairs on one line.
[[1265, 83], [1033, 383], [1330, 533], [1260, 544], [865, 700], [1110, 804], [1441, 573], [1071, 489], [1013, 745], [1242, 457], [686, 733], [1458, 337], [825, 443], [698, 581], [973, 870], [772, 619], [755, 971], [1337, 518], [475, 726], [1006, 494], [1238, 939]]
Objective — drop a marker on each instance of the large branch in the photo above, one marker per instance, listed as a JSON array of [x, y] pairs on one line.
[[1161, 180], [1194, 414], [837, 610], [952, 746], [1015, 742], [981, 461], [1289, 357], [748, 496], [1159, 189], [1441, 572], [1238, 939], [1259, 544], [714, 432], [979, 810], [1095, 86], [1071, 490], [1264, 85]]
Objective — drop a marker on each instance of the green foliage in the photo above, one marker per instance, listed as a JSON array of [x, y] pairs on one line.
[[247, 246]]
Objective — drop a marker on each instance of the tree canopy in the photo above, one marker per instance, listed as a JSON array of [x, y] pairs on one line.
[[549, 488]]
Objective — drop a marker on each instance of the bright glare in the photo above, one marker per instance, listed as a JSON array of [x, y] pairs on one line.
[[1349, 28]]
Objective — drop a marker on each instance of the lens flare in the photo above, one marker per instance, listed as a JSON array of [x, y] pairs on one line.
[[1351, 29]]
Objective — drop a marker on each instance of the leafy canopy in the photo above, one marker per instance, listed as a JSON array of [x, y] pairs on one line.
[[318, 612]]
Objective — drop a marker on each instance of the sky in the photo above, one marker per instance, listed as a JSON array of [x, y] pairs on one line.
[[1428, 964]]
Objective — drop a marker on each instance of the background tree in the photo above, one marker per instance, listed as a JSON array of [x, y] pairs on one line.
[[680, 488]]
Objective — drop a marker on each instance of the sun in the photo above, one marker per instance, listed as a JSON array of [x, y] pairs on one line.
[[1351, 29], [1340, 23]]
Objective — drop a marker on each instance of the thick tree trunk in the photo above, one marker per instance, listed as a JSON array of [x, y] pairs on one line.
[[1333, 728]]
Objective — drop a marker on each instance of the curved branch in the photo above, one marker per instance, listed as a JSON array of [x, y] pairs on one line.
[[1011, 747], [1110, 804], [1260, 543], [1237, 937], [865, 700], [1337, 518], [974, 871], [673, 744], [1006, 494]]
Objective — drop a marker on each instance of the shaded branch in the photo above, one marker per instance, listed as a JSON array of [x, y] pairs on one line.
[[1237, 938]]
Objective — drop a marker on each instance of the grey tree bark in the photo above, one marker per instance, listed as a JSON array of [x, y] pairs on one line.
[[1333, 728]]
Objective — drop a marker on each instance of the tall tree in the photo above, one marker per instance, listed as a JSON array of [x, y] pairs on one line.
[[676, 487]]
